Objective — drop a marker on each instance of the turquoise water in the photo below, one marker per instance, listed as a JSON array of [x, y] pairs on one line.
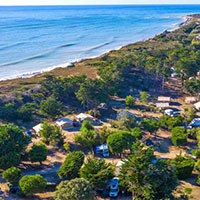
[[36, 39]]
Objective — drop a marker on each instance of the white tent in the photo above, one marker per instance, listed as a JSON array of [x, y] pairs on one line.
[[164, 99], [83, 116], [197, 105], [37, 128], [162, 105], [64, 123]]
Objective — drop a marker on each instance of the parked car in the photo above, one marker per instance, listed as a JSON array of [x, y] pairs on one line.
[[28, 133], [76, 124], [103, 149], [114, 187]]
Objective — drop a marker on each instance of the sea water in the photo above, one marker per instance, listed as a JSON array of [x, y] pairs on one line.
[[39, 38]]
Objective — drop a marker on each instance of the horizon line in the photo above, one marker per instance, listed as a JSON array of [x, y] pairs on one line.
[[101, 4]]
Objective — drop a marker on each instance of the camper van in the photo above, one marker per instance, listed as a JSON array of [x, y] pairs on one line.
[[114, 187], [103, 149]]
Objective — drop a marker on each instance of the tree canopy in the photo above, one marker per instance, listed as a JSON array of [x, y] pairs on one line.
[[12, 145], [38, 153], [97, 172], [75, 189], [72, 164], [51, 134], [120, 140], [147, 177], [31, 184]]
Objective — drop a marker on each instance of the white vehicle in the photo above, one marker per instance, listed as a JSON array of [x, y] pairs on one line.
[[169, 112], [103, 149], [114, 187]]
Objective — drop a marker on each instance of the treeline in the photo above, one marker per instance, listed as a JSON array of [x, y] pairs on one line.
[[170, 52]]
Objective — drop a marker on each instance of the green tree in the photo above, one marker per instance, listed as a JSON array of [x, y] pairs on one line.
[[51, 134], [72, 164], [51, 107], [198, 180], [130, 101], [12, 145], [76, 189], [38, 153], [144, 97], [12, 174], [196, 153], [8, 112], [179, 136], [31, 184], [25, 112], [150, 125], [119, 141], [147, 177], [97, 172], [197, 165], [88, 137], [137, 133], [183, 166], [92, 93], [126, 121]]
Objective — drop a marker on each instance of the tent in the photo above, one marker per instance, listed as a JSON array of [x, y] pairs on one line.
[[64, 123], [83, 116]]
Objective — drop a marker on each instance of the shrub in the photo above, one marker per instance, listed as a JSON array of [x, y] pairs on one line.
[[198, 180], [137, 133], [38, 153], [183, 166], [30, 184], [66, 147], [188, 191], [144, 97], [130, 101], [12, 174], [197, 165], [196, 153], [179, 137], [150, 125]]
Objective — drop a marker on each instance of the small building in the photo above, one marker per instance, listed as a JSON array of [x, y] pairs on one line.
[[195, 122], [126, 113], [103, 149], [190, 100], [197, 105], [164, 99], [162, 105], [37, 128], [83, 116], [65, 123]]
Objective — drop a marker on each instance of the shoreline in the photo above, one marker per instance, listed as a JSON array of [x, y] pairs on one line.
[[27, 75]]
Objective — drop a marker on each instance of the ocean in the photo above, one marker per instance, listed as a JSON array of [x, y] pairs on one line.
[[39, 38]]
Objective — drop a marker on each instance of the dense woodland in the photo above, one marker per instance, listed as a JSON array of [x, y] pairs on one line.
[[144, 175]]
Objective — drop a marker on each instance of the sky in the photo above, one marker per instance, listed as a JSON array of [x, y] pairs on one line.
[[93, 2]]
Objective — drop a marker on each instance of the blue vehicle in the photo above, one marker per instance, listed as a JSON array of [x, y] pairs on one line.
[[28, 132]]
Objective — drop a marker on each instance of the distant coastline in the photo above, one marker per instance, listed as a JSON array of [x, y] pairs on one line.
[[86, 67], [187, 19]]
